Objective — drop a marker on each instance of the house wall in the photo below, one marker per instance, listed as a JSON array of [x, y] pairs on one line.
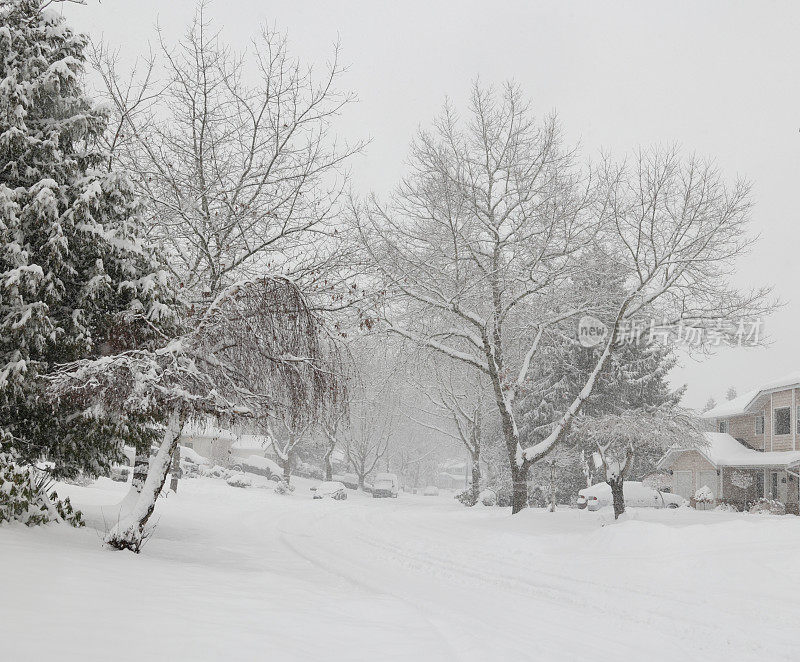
[[695, 462], [743, 427], [783, 442]]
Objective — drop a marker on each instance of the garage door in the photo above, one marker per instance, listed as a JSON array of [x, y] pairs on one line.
[[708, 478], [683, 484]]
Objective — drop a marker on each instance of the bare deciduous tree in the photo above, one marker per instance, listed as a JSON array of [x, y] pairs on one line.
[[233, 153], [617, 437], [366, 437], [481, 244], [460, 407]]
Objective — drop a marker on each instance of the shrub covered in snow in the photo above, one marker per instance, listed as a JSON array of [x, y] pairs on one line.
[[768, 507], [283, 488], [24, 497], [239, 480], [219, 472], [464, 497], [488, 497], [726, 508], [704, 495]]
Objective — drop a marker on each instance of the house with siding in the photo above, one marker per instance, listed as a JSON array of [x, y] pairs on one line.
[[753, 451]]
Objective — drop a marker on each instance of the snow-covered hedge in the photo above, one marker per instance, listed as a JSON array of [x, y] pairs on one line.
[[768, 507], [704, 495], [466, 497], [488, 497], [239, 480], [283, 488], [24, 498]]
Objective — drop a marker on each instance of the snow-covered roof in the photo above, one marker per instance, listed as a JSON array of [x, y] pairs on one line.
[[741, 404], [723, 450], [200, 428], [247, 441]]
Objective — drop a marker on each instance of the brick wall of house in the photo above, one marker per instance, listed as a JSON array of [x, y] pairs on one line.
[[733, 494]]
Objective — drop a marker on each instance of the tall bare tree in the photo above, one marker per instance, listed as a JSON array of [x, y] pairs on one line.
[[234, 153], [480, 246], [459, 408]]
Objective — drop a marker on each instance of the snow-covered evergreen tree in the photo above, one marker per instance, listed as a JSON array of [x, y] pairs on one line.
[[75, 279]]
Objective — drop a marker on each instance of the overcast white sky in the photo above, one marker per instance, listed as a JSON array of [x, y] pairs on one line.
[[720, 78]]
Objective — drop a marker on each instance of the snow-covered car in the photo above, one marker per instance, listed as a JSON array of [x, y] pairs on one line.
[[385, 485], [431, 490], [350, 481], [330, 489], [636, 495], [261, 466]]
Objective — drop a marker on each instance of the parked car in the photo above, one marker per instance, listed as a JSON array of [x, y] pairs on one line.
[[385, 485], [636, 495], [431, 490], [330, 489], [261, 466], [350, 481]]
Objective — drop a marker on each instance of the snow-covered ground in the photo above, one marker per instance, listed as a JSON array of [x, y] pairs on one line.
[[245, 574]]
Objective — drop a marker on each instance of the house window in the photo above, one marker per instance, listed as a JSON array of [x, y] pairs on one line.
[[783, 424], [759, 423], [723, 426]]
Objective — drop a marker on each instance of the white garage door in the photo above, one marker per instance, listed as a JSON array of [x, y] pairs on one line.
[[683, 484], [708, 478]]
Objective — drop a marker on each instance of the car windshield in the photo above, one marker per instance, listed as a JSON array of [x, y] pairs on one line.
[[384, 483]]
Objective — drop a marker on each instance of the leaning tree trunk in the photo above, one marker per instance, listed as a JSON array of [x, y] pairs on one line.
[[617, 495], [176, 468], [129, 533], [476, 475], [141, 463]]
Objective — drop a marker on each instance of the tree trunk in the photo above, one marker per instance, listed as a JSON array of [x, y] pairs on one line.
[[141, 463], [552, 505], [129, 532], [476, 475], [328, 465], [519, 496], [176, 468], [617, 495], [287, 468]]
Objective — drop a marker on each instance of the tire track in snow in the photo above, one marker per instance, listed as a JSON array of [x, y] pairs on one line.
[[367, 587]]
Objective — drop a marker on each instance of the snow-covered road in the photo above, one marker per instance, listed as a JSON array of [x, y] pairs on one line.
[[246, 574]]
